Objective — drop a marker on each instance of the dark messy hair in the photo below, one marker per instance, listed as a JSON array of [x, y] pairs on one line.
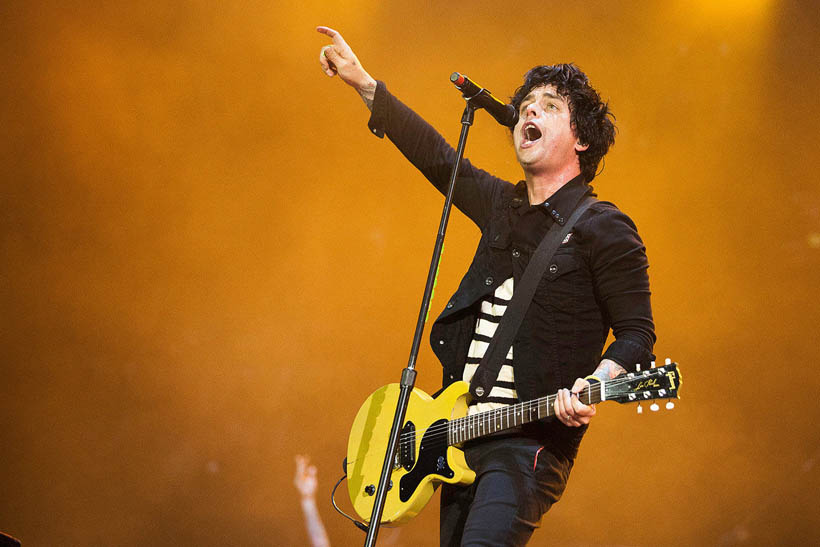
[[590, 117]]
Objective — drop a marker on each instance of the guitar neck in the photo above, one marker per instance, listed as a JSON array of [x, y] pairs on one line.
[[507, 417]]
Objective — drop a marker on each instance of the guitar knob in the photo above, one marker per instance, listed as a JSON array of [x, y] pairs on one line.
[[370, 489], [640, 409], [670, 405], [654, 407]]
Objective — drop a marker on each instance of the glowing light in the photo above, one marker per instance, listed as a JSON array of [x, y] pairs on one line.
[[731, 8]]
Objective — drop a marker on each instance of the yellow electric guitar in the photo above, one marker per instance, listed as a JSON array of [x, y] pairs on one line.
[[433, 430]]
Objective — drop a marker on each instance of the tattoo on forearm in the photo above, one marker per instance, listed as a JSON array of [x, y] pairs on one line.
[[368, 94], [608, 369]]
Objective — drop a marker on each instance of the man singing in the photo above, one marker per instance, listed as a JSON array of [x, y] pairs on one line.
[[596, 280]]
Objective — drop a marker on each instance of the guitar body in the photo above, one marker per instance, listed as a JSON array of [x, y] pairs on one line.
[[423, 457]]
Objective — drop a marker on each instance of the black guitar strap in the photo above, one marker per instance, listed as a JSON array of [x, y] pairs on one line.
[[487, 371]]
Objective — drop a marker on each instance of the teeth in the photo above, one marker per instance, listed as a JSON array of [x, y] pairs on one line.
[[532, 133]]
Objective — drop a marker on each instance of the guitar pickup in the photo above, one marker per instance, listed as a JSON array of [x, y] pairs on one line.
[[407, 446]]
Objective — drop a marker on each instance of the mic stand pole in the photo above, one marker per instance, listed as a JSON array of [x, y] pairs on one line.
[[408, 376]]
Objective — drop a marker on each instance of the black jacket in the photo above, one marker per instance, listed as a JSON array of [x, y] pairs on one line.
[[597, 280]]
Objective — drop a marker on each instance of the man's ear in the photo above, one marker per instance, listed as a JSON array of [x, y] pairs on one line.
[[580, 147]]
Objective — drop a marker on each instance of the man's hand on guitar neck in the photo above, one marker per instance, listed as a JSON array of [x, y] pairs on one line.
[[571, 411]]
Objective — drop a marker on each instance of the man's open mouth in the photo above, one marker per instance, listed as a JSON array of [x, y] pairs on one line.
[[530, 133]]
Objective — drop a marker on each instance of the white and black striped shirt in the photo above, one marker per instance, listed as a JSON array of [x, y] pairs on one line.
[[492, 310]]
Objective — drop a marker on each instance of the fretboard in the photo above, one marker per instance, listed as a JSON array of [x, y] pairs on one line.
[[507, 417]]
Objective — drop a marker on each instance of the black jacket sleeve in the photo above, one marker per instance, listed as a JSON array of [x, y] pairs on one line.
[[429, 152], [619, 267]]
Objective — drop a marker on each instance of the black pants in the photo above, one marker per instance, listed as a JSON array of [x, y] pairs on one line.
[[517, 480]]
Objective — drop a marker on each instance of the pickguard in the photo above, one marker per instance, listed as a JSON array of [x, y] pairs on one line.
[[431, 460]]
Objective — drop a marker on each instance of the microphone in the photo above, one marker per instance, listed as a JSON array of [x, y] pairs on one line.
[[505, 114]]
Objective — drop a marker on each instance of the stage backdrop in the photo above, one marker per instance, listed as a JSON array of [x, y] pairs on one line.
[[208, 262]]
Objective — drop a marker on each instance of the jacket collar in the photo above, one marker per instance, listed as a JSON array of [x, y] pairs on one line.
[[559, 205]]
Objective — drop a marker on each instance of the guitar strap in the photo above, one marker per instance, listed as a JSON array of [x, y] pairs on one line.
[[487, 371]]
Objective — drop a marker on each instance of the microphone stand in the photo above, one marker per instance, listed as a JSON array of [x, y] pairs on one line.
[[408, 376]]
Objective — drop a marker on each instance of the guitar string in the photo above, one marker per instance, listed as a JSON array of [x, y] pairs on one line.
[[440, 432], [478, 421], [484, 420], [475, 420]]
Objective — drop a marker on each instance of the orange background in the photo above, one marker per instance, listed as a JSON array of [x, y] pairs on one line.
[[209, 262]]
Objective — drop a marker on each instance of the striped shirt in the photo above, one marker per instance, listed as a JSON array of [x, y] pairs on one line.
[[492, 310]]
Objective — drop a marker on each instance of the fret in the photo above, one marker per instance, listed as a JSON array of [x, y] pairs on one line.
[[492, 421], [506, 417]]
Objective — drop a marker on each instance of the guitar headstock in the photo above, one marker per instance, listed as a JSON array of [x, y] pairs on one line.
[[646, 385]]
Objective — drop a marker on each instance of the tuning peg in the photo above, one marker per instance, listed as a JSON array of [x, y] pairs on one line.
[[653, 364], [640, 409], [654, 407], [638, 367], [670, 405], [668, 361]]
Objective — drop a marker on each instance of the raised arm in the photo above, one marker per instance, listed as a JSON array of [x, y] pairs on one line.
[[305, 481], [420, 143]]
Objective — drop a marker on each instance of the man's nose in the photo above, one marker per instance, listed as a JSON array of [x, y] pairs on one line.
[[531, 110]]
